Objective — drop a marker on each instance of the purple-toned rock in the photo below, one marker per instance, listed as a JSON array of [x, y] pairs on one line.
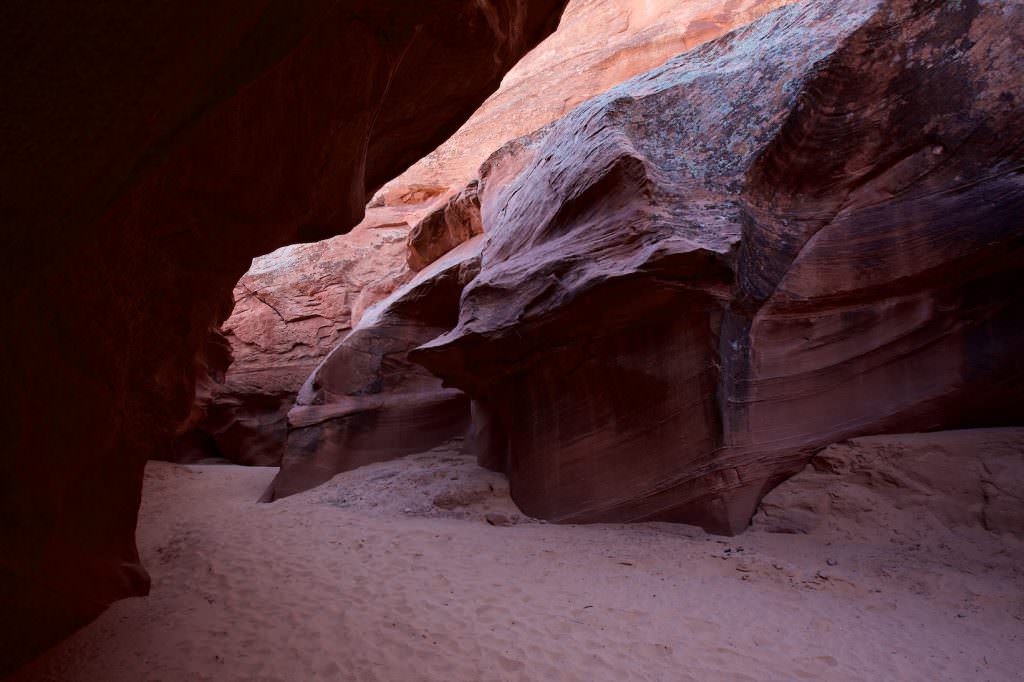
[[808, 230], [293, 306], [366, 402]]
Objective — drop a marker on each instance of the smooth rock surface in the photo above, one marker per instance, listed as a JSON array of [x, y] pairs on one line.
[[150, 151], [805, 231]]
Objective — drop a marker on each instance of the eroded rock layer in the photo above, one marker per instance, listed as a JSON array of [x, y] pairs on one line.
[[366, 402], [904, 486], [598, 44], [808, 230], [149, 152], [319, 291], [457, 221], [291, 308]]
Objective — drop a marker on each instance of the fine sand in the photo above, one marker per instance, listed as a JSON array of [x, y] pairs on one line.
[[422, 569]]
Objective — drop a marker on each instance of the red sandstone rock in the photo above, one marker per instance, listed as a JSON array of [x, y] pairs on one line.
[[598, 44], [366, 402], [149, 152], [806, 231], [291, 308], [904, 486], [457, 221]]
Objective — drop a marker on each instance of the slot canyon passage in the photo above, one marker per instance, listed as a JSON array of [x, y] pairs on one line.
[[645, 339]]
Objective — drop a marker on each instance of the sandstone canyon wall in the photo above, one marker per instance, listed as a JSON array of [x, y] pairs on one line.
[[149, 152], [598, 44], [366, 402], [808, 230], [293, 307]]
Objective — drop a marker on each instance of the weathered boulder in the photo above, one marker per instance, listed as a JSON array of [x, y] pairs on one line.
[[904, 487], [598, 44], [149, 152], [805, 231], [366, 402]]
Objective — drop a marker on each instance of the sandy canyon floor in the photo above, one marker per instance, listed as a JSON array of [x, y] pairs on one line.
[[422, 569]]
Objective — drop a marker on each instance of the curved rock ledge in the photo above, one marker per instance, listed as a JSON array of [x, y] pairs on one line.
[[805, 231], [366, 402]]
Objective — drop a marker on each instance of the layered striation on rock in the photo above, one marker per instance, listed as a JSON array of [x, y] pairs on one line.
[[291, 308], [149, 153], [366, 402], [457, 221], [598, 44], [805, 231]]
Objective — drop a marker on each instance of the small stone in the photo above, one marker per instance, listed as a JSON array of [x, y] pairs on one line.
[[497, 519]]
